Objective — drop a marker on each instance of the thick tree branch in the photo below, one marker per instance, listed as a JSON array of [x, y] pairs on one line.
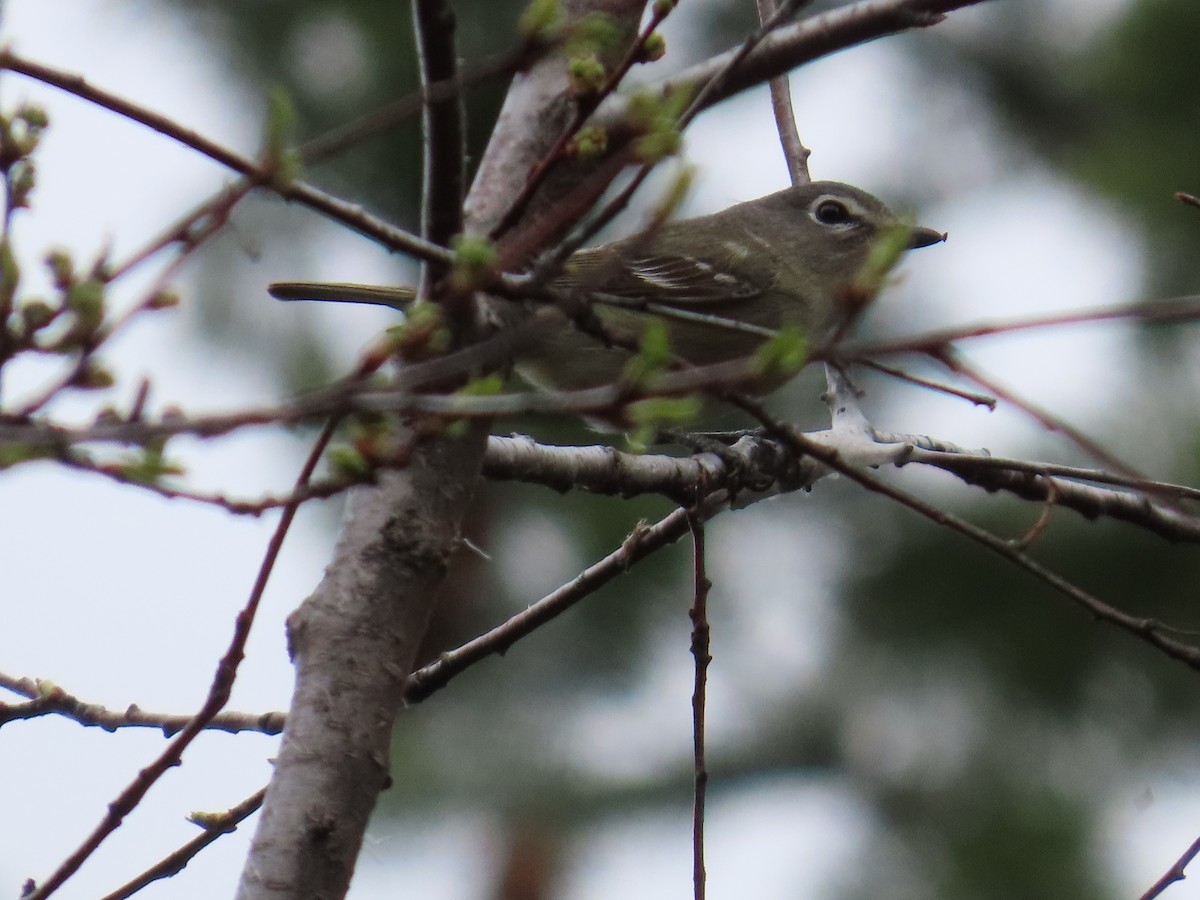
[[791, 46], [354, 640]]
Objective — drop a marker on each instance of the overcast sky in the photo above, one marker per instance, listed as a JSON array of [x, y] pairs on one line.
[[122, 597]]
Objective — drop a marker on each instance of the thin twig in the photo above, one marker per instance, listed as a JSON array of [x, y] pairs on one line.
[[795, 153], [1043, 520], [1149, 630], [641, 542], [899, 374], [210, 226], [1052, 422], [314, 490], [191, 229], [443, 130], [47, 698], [1189, 199], [262, 175], [215, 827], [1172, 309], [218, 696], [584, 107], [1177, 872], [701, 657]]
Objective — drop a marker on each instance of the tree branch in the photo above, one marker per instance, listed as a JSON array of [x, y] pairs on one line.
[[218, 696], [260, 174], [848, 416], [215, 827], [354, 640], [640, 543], [1178, 871], [794, 45], [46, 698], [443, 126], [795, 154]]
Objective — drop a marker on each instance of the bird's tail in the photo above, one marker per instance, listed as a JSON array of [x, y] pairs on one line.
[[335, 292]]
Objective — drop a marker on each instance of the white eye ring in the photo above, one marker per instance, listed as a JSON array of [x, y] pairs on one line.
[[827, 210]]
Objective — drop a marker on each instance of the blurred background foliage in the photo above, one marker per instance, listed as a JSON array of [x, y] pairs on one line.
[[986, 725]]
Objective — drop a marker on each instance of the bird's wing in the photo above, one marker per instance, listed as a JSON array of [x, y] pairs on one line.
[[667, 278]]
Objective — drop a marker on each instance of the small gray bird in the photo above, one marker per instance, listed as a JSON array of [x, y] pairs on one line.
[[722, 284]]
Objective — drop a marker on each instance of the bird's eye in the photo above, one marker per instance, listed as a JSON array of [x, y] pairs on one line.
[[832, 212]]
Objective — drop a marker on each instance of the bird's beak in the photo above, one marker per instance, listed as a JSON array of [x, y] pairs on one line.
[[921, 236]]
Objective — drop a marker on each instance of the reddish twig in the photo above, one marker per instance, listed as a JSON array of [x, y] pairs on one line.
[[584, 107], [1149, 630], [899, 374], [318, 490], [1043, 520], [191, 230], [640, 543], [260, 174], [702, 657], [218, 696], [1048, 420], [1173, 309], [1189, 199], [214, 828], [211, 224], [1176, 872], [794, 152]]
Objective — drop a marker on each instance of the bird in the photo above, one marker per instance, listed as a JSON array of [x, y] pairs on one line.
[[722, 284]]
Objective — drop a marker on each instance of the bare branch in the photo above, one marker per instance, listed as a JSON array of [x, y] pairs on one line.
[[1035, 481], [443, 128], [845, 406], [803, 42], [978, 399], [641, 542], [215, 826], [218, 696], [1189, 199], [46, 698], [1177, 872], [702, 657], [261, 175], [794, 152], [1173, 309]]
